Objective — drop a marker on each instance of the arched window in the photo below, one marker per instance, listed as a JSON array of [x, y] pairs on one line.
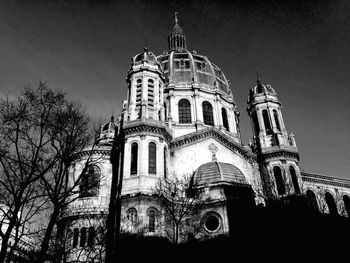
[[184, 111], [312, 201], [267, 122], [164, 160], [224, 118], [208, 113], [75, 237], [82, 237], [152, 158], [91, 237], [150, 92], [90, 182], [294, 179], [332, 207], [279, 180], [69, 237], [151, 212], [134, 153], [132, 215], [256, 123], [346, 200], [277, 121]]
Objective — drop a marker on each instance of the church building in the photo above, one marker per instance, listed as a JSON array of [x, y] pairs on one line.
[[180, 120]]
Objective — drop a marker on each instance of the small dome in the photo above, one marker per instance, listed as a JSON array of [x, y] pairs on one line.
[[217, 172], [147, 56], [182, 66], [261, 89], [108, 131]]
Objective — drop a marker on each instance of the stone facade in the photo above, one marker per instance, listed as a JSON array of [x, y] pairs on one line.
[[179, 115]]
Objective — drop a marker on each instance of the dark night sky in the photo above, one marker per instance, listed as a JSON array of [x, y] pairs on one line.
[[301, 48]]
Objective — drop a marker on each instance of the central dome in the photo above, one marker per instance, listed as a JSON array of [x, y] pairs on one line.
[[182, 66]]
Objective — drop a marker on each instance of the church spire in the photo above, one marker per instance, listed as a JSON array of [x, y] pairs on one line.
[[177, 39]]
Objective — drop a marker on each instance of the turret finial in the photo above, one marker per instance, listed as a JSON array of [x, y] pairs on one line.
[[176, 20], [176, 39], [146, 46], [258, 78]]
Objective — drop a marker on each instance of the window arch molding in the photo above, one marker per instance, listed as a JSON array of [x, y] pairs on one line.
[[152, 214], [312, 199], [208, 113], [277, 171], [330, 201], [184, 106], [153, 148], [134, 156], [131, 214], [267, 121], [224, 117], [89, 184], [294, 176]]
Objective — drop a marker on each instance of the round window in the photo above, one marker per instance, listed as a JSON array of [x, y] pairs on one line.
[[212, 223]]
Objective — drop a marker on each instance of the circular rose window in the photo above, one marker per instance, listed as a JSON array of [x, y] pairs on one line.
[[212, 222]]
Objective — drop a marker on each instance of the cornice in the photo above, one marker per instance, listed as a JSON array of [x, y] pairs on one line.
[[90, 152], [280, 153], [325, 180], [216, 134], [147, 127]]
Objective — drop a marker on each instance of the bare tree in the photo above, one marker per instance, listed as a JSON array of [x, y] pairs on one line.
[[38, 135], [180, 201]]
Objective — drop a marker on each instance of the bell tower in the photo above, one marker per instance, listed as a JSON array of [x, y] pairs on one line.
[[277, 151], [146, 134], [145, 88]]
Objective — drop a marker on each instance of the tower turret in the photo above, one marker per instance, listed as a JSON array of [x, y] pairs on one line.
[[177, 39], [145, 83], [277, 151]]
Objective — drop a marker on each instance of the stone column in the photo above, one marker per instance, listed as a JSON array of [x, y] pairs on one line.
[[143, 156]]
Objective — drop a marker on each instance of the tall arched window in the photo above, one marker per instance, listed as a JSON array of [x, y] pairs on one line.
[[82, 237], [346, 200], [91, 236], [75, 237], [152, 158], [332, 207], [165, 160], [312, 201], [150, 92], [255, 123], [151, 212], [134, 154], [184, 111], [90, 182], [277, 121], [279, 180], [267, 122], [294, 179], [208, 113], [132, 215], [224, 118]]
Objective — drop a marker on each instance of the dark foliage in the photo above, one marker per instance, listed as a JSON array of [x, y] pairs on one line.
[[272, 233]]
